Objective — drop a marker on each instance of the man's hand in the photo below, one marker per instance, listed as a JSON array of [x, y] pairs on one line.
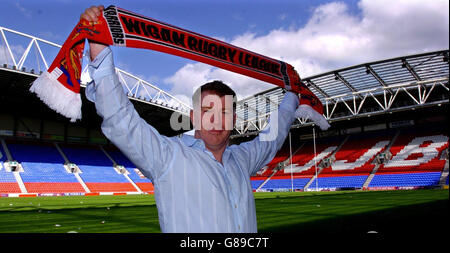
[[91, 14]]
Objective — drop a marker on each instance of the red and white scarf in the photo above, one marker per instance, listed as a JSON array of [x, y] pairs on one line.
[[59, 86]]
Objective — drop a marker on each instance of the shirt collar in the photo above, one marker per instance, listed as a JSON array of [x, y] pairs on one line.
[[191, 141]]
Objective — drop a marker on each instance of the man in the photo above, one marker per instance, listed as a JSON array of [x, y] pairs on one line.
[[202, 184]]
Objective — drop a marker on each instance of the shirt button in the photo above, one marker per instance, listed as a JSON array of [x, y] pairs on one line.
[[235, 206], [239, 227]]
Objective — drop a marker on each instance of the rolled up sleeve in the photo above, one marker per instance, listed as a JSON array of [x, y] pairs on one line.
[[260, 151]]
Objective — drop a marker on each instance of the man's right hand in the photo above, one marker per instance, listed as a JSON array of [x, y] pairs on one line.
[[91, 14]]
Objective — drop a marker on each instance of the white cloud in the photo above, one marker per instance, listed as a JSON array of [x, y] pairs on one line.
[[407, 26], [334, 38], [25, 12], [188, 78], [5, 57], [50, 36]]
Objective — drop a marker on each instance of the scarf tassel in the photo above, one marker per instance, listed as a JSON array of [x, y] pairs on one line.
[[307, 112], [56, 96]]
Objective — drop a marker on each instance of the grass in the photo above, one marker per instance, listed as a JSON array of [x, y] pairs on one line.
[[359, 212], [337, 213]]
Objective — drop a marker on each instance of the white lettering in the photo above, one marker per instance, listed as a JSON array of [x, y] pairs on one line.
[[200, 243], [416, 146], [345, 165]]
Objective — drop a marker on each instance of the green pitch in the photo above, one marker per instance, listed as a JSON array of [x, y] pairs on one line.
[[302, 212]]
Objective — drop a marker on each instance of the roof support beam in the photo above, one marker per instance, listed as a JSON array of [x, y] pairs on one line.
[[411, 70], [318, 89], [370, 70], [337, 76]]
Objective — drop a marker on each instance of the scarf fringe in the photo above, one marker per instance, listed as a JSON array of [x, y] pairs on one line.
[[57, 97], [307, 112]]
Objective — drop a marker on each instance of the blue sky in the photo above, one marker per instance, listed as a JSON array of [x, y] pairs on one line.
[[313, 35], [54, 20]]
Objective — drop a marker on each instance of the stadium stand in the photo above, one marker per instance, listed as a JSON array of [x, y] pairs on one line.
[[44, 170], [8, 183], [97, 170], [417, 159], [356, 154], [353, 161], [406, 179], [143, 183], [303, 168]]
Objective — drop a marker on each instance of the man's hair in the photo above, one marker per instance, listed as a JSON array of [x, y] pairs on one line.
[[217, 87]]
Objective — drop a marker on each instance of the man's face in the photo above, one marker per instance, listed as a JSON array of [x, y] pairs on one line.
[[214, 119]]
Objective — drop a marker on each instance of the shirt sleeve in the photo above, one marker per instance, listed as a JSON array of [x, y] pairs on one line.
[[257, 153], [122, 125]]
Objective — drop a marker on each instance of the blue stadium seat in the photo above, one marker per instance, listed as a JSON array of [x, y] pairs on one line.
[[256, 183], [339, 182], [298, 183], [46, 172], [41, 163], [121, 159], [405, 179], [35, 153]]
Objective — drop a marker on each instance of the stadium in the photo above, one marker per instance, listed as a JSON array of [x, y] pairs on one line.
[[386, 153]]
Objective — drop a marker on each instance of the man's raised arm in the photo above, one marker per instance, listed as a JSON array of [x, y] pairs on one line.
[[140, 142], [264, 147], [91, 14]]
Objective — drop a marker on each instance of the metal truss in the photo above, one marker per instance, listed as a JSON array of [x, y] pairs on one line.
[[17, 58], [419, 93], [138, 89], [253, 112], [364, 90]]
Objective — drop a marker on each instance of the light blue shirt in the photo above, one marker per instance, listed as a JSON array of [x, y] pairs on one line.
[[193, 191]]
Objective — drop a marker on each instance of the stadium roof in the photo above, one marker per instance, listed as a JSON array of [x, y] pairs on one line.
[[380, 75], [18, 71], [360, 90], [39, 50]]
